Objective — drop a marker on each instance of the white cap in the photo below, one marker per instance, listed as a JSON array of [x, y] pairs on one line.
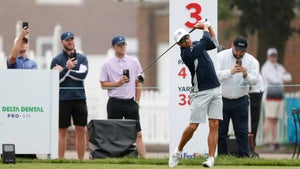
[[272, 51], [179, 33]]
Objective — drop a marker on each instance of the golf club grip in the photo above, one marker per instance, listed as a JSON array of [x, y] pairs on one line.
[[195, 28]]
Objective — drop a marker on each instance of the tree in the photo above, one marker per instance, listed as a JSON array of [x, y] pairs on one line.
[[269, 20]]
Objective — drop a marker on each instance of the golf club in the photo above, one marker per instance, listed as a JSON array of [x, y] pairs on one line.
[[141, 77]]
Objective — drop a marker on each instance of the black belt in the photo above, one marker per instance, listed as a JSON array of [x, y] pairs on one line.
[[120, 99], [235, 99]]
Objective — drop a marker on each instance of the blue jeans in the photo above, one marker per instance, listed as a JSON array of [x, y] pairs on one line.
[[237, 111]]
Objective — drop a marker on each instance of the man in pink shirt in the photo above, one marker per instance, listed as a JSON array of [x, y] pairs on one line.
[[119, 75]]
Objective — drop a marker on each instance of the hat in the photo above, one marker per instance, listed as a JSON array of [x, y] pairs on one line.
[[240, 43], [117, 40], [179, 33], [24, 40], [272, 51], [66, 35]]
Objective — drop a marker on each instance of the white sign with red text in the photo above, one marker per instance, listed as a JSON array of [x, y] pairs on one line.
[[185, 14]]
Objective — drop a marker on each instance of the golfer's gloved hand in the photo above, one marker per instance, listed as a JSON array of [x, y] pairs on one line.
[[207, 24], [141, 78]]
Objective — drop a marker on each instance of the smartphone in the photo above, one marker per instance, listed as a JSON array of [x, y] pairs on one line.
[[25, 24], [126, 73], [73, 55], [238, 62]]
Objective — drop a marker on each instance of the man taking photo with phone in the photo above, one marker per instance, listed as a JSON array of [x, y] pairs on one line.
[[236, 71], [18, 56]]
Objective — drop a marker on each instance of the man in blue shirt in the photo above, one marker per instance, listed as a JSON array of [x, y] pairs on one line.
[[205, 95], [18, 56], [73, 69]]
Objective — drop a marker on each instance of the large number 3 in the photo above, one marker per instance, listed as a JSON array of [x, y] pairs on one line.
[[195, 14]]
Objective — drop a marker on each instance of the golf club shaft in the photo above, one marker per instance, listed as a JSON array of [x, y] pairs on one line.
[[163, 53], [158, 58]]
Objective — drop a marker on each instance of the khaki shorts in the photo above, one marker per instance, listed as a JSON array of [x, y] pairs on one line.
[[206, 102], [274, 108]]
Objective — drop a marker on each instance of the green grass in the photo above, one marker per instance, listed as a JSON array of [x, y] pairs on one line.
[[222, 162], [125, 166]]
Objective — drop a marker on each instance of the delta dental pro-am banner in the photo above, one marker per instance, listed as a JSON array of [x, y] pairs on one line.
[[29, 111]]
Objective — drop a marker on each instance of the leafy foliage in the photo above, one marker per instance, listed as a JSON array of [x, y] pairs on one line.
[[269, 20]]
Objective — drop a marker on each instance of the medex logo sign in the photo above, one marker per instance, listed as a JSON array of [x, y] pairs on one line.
[[20, 112]]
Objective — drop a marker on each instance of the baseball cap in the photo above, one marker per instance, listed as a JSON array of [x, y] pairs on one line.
[[117, 40], [240, 43], [179, 33], [66, 35], [272, 51]]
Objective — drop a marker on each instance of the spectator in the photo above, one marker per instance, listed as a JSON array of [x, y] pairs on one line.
[[18, 56], [205, 94], [73, 69], [236, 71], [274, 75], [124, 90]]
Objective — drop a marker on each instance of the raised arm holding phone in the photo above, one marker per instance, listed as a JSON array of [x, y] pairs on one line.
[[18, 58]]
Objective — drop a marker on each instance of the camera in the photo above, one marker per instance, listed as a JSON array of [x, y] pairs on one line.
[[238, 62], [126, 73], [25, 24], [73, 55]]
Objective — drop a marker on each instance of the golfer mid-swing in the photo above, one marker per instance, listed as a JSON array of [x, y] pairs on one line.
[[205, 94]]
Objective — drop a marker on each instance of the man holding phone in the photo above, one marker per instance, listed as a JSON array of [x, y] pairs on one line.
[[119, 75], [236, 71], [73, 69], [18, 56]]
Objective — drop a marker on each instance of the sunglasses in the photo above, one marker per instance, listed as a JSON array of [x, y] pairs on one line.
[[182, 40]]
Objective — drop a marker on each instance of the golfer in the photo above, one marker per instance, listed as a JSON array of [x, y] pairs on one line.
[[205, 94]]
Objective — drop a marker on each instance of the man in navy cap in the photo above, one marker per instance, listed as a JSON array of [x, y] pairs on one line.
[[236, 71], [119, 75], [73, 69], [18, 56]]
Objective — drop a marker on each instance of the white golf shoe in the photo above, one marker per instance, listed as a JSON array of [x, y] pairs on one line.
[[174, 159], [209, 162]]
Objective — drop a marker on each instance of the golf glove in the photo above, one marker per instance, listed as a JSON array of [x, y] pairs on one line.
[[204, 20], [207, 24]]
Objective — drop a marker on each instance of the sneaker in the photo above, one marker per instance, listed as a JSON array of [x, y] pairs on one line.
[[174, 159], [209, 162]]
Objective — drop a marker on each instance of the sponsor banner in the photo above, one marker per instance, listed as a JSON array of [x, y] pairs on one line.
[[29, 111]]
